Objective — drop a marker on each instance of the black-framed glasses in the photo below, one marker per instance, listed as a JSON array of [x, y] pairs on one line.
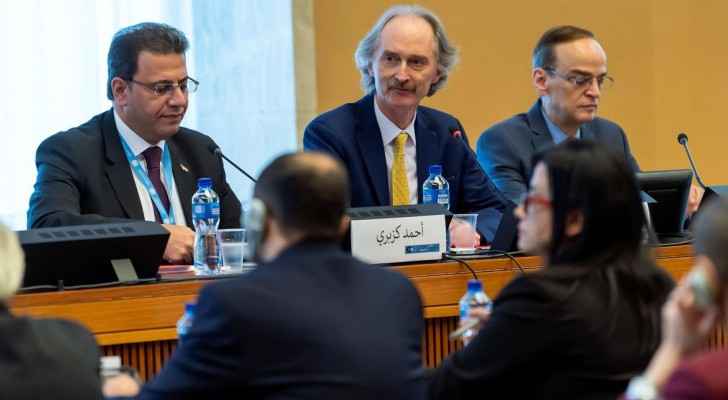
[[165, 88], [581, 81]]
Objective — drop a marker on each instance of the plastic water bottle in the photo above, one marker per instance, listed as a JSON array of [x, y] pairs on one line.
[[474, 297], [436, 190], [206, 218], [185, 322]]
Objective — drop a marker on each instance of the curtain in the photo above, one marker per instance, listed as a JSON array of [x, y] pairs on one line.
[[54, 78]]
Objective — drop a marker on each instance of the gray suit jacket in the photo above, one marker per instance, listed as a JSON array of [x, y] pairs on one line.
[[505, 150]]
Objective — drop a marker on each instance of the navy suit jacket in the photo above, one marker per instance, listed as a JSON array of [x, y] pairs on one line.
[[351, 133], [85, 178], [506, 149], [313, 324]]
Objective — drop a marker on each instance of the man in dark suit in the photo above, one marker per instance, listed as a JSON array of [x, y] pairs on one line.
[[134, 161], [310, 322], [387, 140], [569, 73]]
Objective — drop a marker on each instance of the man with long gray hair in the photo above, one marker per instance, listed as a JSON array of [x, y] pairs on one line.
[[387, 140]]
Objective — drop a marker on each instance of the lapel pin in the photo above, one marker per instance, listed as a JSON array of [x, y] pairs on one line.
[[184, 168]]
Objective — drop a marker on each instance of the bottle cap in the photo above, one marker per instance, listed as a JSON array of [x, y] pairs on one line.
[[190, 307], [436, 169], [204, 183], [474, 285]]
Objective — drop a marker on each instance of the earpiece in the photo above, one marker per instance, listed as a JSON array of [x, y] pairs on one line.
[[256, 229]]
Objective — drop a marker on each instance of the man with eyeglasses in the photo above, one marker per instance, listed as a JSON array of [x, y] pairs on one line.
[[134, 161], [570, 74]]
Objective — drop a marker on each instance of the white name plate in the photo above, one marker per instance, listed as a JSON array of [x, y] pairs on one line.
[[398, 239]]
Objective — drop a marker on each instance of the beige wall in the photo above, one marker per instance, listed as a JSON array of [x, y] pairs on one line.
[[669, 59]]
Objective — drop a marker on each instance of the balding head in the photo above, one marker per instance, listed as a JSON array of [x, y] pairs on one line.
[[307, 193], [12, 263]]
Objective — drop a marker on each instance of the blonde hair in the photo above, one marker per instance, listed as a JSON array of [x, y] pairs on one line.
[[12, 263]]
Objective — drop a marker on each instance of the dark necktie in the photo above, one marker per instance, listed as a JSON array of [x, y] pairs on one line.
[[152, 156]]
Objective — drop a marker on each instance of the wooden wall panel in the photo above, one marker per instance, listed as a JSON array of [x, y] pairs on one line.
[[138, 322]]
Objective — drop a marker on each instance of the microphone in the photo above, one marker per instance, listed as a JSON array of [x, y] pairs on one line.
[[217, 152], [682, 138]]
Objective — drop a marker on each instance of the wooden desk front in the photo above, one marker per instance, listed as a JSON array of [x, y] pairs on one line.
[[138, 322]]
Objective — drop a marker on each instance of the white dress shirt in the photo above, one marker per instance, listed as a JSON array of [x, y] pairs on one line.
[[138, 146], [390, 131]]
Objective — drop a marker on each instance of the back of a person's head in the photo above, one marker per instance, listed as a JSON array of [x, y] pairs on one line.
[[710, 230], [12, 263], [307, 192], [587, 178]]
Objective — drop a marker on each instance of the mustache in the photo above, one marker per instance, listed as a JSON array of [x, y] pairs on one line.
[[396, 84]]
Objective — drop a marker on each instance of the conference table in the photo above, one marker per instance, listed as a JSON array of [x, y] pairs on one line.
[[137, 322]]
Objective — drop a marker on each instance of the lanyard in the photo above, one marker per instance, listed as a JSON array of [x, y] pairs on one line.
[[167, 218]]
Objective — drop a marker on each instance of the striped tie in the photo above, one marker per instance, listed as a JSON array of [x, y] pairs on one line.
[[400, 188]]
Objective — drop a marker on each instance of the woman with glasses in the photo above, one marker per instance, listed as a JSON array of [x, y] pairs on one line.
[[590, 320]]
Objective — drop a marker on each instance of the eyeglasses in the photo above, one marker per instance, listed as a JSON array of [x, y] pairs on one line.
[[165, 88], [584, 81], [528, 199]]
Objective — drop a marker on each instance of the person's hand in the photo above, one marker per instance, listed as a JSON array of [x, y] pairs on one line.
[[482, 314], [463, 235], [180, 244], [685, 327], [696, 196], [121, 385]]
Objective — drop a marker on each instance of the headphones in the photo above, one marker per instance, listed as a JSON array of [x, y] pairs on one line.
[[256, 229]]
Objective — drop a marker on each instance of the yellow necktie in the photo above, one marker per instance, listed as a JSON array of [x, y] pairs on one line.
[[400, 188]]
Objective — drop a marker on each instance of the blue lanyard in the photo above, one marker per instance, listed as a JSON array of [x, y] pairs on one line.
[[167, 218]]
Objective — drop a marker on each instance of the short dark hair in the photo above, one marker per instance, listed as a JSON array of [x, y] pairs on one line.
[[544, 55], [711, 235], [132, 40], [307, 192]]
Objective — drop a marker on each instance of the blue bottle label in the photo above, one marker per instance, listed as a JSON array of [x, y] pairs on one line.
[[430, 195], [206, 211], [213, 210]]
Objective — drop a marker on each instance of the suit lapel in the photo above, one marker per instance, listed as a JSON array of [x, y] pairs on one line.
[[586, 132], [369, 140], [541, 138], [118, 169], [427, 151], [184, 178]]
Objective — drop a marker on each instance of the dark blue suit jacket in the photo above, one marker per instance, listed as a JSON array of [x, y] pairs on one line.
[[506, 149], [352, 134], [313, 324]]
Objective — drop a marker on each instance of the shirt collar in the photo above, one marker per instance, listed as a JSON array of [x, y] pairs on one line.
[[389, 130], [135, 142], [556, 133]]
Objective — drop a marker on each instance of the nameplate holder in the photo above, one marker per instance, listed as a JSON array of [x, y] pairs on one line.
[[124, 270], [384, 235]]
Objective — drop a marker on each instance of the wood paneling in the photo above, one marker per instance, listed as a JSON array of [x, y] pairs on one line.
[[138, 322]]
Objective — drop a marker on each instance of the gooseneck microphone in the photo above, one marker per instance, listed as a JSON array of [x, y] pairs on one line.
[[682, 138], [216, 151]]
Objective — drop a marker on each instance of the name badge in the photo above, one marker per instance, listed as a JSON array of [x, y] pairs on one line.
[[398, 234]]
